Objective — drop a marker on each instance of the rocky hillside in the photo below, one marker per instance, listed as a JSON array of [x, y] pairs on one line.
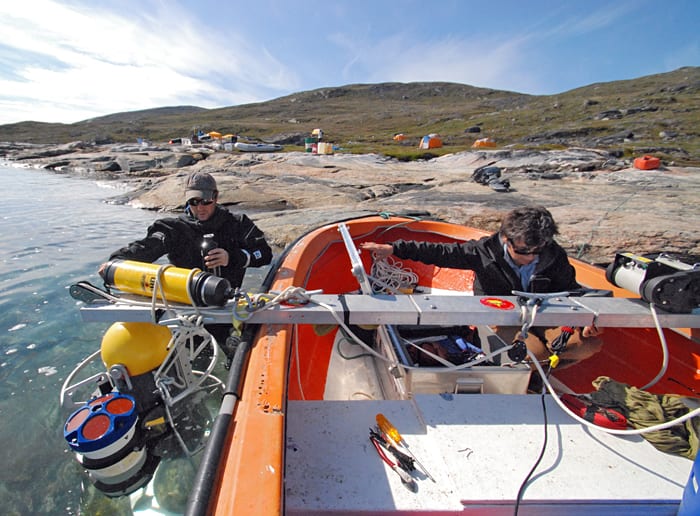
[[657, 114]]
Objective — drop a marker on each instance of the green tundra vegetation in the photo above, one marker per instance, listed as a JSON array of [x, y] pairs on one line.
[[657, 114]]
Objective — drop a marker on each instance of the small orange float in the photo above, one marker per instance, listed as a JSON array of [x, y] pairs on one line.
[[647, 163]]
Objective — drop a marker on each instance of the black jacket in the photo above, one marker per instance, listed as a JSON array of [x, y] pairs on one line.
[[494, 276], [181, 239]]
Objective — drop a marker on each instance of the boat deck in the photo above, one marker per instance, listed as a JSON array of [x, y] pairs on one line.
[[479, 448]]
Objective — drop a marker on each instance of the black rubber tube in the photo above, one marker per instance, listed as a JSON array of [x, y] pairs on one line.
[[200, 495]]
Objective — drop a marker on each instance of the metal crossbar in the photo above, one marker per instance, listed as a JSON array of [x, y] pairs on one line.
[[423, 309]]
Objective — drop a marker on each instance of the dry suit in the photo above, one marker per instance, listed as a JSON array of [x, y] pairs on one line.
[[180, 238]]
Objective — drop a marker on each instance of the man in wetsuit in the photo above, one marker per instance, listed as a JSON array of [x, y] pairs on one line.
[[238, 243]]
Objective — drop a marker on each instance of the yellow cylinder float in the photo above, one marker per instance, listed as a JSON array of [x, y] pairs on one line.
[[138, 346], [188, 286]]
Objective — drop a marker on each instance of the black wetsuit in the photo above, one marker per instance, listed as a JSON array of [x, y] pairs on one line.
[[180, 238]]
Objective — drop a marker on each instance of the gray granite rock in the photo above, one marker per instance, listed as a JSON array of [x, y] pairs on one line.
[[601, 203]]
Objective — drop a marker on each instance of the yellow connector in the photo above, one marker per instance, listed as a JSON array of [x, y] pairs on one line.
[[553, 361]]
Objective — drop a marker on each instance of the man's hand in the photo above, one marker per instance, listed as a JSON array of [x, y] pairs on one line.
[[379, 251], [590, 331], [216, 258]]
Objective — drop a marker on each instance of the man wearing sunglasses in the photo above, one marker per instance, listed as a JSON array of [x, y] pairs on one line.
[[521, 256], [239, 243], [206, 236]]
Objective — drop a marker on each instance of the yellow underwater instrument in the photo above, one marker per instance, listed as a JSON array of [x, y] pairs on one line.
[[188, 286]]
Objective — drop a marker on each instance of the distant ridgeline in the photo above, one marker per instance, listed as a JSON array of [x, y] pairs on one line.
[[653, 114]]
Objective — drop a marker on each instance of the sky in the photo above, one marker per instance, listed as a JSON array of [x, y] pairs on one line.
[[72, 60]]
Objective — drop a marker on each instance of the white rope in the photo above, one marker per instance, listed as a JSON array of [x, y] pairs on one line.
[[371, 351], [291, 295], [389, 276], [664, 348], [638, 431]]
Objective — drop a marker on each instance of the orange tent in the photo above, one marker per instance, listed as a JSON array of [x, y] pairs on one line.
[[399, 137], [430, 141], [484, 142], [214, 134]]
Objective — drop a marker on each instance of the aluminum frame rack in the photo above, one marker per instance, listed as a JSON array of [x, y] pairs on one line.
[[417, 309]]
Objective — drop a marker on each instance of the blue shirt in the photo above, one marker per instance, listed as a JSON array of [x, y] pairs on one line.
[[525, 272]]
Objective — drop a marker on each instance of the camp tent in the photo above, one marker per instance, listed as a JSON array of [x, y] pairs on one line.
[[399, 137], [430, 141], [484, 142], [214, 134]]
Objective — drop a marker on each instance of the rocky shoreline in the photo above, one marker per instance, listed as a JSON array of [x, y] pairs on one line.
[[602, 204]]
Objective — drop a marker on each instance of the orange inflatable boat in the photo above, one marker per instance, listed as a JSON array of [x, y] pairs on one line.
[[299, 443]]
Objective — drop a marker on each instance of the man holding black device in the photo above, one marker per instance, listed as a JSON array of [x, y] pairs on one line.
[[206, 236]]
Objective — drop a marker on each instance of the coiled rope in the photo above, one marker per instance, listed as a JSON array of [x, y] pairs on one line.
[[388, 276]]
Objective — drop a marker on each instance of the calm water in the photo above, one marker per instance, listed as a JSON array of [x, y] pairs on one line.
[[56, 230]]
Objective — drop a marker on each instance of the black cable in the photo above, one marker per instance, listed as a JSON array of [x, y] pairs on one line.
[[346, 338], [521, 491]]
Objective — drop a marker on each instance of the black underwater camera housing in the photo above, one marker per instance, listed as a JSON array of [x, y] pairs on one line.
[[664, 281]]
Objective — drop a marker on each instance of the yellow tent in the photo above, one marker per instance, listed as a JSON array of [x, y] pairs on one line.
[[214, 134]]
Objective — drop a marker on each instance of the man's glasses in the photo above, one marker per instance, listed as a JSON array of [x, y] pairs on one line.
[[525, 252], [197, 202]]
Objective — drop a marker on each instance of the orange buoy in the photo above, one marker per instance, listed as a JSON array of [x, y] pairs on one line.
[[647, 163]]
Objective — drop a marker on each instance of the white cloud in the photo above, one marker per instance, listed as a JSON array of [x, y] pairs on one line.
[[87, 62], [485, 62], [68, 60], [606, 18]]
